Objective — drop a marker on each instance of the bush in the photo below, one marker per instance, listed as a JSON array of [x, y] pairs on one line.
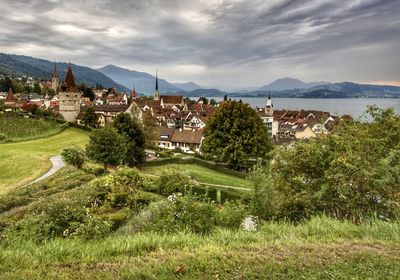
[[181, 214], [3, 137], [172, 182], [231, 214], [73, 156]]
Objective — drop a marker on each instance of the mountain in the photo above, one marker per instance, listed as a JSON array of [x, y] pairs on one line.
[[189, 86], [19, 65], [144, 82], [289, 83], [363, 89]]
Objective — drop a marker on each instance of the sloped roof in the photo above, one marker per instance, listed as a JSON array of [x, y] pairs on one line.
[[187, 136], [172, 99]]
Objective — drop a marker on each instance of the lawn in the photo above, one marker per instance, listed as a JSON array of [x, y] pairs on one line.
[[22, 162], [17, 128], [201, 174], [318, 249]]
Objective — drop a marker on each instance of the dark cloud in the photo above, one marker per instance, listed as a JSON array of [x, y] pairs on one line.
[[238, 42]]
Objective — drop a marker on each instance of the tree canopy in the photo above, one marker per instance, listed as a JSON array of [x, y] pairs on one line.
[[235, 134], [106, 145], [90, 119], [134, 136], [353, 173]]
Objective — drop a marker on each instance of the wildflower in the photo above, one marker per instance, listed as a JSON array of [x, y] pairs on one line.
[[249, 223]]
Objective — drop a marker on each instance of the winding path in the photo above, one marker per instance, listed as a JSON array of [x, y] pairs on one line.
[[57, 163]]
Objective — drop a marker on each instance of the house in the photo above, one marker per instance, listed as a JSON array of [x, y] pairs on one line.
[[188, 141], [117, 99], [105, 113]]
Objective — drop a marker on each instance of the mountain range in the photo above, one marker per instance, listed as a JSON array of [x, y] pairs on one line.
[[124, 79], [19, 65], [289, 83]]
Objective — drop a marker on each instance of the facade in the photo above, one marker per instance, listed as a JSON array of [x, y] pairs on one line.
[[188, 141], [69, 98]]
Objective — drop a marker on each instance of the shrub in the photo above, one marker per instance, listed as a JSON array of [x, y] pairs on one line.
[[185, 213], [73, 156], [3, 137], [231, 214], [172, 182]]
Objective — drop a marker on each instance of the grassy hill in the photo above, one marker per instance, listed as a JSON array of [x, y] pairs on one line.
[[16, 128], [22, 162]]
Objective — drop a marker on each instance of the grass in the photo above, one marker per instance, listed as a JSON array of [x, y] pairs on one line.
[[17, 128], [22, 162], [201, 174], [321, 248]]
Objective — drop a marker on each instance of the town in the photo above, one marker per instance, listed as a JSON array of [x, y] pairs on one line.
[[178, 121]]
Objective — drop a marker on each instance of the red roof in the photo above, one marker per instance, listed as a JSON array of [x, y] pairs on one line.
[[172, 99], [10, 97]]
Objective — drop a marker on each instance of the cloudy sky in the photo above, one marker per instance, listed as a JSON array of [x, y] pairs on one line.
[[229, 44]]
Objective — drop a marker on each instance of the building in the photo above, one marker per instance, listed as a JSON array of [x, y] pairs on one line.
[[188, 141], [69, 97], [267, 116], [55, 82]]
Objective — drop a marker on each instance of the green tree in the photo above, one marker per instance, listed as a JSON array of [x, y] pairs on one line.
[[213, 102], [106, 146], [73, 156], [352, 174], [133, 133], [90, 119], [37, 89], [235, 134]]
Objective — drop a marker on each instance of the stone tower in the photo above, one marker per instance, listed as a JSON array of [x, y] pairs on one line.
[[269, 107], [55, 83], [70, 98], [156, 91]]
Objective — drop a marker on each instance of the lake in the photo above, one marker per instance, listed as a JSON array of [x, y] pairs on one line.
[[337, 106]]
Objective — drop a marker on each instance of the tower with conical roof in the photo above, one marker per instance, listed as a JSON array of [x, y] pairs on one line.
[[70, 97], [156, 91], [134, 93], [55, 83]]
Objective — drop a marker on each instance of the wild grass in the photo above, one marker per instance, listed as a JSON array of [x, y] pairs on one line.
[[22, 162], [17, 128], [321, 248]]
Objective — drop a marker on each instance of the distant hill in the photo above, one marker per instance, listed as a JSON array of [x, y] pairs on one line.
[[362, 89], [189, 86], [19, 65], [289, 83], [144, 82]]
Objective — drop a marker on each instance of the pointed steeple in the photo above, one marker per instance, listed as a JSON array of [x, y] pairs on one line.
[[156, 92], [10, 99], [69, 84], [55, 71], [134, 92], [156, 80]]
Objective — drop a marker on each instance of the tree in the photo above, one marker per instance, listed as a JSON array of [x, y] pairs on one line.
[[134, 136], [106, 146], [87, 92], [352, 174], [90, 119], [37, 89], [213, 102], [73, 156], [235, 134], [225, 97]]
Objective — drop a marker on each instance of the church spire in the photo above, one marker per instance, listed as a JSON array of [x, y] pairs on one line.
[[134, 92], [55, 71], [156, 92], [156, 80]]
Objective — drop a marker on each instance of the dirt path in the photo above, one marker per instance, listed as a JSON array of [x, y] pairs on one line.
[[57, 163]]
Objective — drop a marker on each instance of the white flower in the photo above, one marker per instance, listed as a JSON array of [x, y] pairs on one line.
[[249, 223]]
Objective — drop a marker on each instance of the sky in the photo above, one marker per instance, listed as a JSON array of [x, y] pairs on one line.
[[227, 44]]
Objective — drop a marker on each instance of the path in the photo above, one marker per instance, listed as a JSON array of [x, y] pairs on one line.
[[57, 163]]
